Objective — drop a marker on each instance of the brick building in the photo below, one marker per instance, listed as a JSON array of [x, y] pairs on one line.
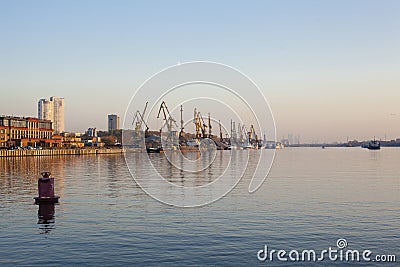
[[19, 131]]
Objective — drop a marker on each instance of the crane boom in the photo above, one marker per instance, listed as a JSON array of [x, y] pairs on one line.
[[144, 110], [203, 125]]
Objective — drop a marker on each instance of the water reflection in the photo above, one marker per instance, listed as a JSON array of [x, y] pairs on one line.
[[46, 213], [46, 228], [46, 217]]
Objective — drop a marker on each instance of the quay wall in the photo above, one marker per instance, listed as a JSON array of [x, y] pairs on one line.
[[58, 152]]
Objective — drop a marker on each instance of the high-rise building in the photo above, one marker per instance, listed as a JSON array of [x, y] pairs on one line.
[[113, 122], [45, 110], [53, 110], [58, 105]]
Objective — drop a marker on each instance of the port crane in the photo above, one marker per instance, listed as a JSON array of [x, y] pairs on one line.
[[209, 126], [169, 121], [201, 126], [220, 131], [246, 136], [197, 124], [182, 133], [253, 138], [138, 120]]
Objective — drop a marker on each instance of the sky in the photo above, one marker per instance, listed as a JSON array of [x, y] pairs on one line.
[[329, 69]]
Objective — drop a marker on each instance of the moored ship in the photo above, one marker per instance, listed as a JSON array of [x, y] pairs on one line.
[[372, 145]]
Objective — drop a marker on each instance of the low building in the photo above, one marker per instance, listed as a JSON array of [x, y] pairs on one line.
[[93, 142], [72, 140], [23, 132]]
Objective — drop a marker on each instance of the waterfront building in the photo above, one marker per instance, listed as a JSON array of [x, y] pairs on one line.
[[52, 110], [72, 140], [91, 132], [113, 122], [92, 141], [22, 132]]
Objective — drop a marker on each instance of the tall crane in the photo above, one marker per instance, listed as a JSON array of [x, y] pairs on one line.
[[139, 119], [197, 123], [253, 138], [201, 126], [209, 126], [181, 133], [220, 131], [169, 121]]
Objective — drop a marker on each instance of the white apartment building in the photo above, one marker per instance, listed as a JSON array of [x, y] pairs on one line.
[[53, 110]]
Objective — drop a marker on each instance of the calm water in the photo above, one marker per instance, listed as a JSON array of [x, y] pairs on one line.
[[311, 198]]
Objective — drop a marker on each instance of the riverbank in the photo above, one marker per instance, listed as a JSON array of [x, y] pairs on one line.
[[59, 152]]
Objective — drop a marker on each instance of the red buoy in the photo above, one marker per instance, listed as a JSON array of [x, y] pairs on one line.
[[46, 189]]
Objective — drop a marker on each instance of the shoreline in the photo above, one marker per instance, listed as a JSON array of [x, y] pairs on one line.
[[102, 151], [59, 152]]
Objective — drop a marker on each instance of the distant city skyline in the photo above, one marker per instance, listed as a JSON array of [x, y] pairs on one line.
[[330, 70]]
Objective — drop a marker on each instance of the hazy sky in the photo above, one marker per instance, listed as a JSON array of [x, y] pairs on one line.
[[329, 69]]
